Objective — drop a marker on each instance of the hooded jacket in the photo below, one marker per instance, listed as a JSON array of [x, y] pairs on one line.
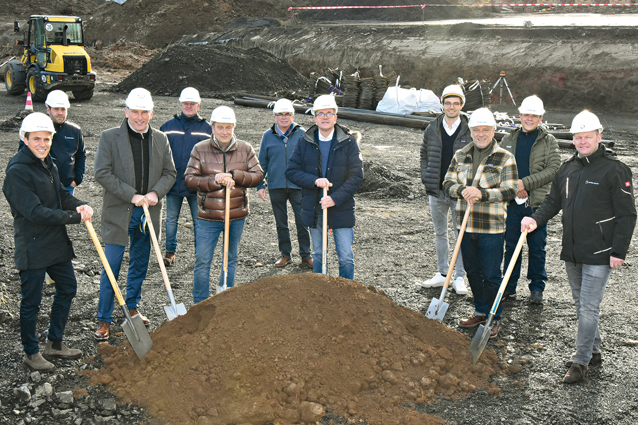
[[274, 154]]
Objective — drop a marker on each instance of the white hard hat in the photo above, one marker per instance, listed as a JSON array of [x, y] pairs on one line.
[[223, 114], [585, 121], [57, 99], [139, 99], [36, 121], [325, 101], [532, 105], [482, 117], [190, 94], [453, 90], [283, 105]]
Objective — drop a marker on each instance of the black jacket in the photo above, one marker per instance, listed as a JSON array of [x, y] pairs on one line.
[[41, 208], [596, 196]]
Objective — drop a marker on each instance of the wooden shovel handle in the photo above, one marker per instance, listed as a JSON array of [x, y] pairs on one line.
[[457, 247], [105, 263], [226, 227], [324, 235], [156, 246], [508, 273]]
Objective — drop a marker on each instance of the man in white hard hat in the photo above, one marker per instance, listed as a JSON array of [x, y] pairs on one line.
[[217, 165], [184, 131], [441, 140], [41, 209], [537, 160], [594, 191], [483, 177], [328, 156], [277, 144], [134, 166]]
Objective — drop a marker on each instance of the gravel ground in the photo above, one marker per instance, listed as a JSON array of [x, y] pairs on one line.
[[394, 249]]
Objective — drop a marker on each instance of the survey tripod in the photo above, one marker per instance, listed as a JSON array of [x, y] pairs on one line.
[[502, 80]]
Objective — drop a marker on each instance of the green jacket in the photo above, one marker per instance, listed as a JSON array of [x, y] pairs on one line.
[[544, 162]]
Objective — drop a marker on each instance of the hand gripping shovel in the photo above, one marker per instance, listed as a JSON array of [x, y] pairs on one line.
[[324, 237], [173, 310], [483, 334], [226, 231], [134, 328], [438, 308]]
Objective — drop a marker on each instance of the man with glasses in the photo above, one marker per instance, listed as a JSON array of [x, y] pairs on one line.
[[277, 144], [328, 156], [538, 160], [184, 131], [441, 139]]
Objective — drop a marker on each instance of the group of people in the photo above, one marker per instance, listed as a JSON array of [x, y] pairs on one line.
[[509, 188]]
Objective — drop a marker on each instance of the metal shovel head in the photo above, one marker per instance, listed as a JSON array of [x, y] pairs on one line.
[[437, 310], [172, 313], [480, 341], [137, 335]]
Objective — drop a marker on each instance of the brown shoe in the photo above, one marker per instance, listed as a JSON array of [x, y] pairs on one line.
[[134, 311], [596, 360], [472, 321], [576, 373], [307, 262], [283, 261], [103, 331], [495, 328], [169, 258]]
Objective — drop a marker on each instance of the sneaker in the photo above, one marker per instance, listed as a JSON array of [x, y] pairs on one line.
[[437, 281], [169, 258], [576, 373], [37, 362], [596, 360], [459, 286], [536, 297], [472, 321], [103, 331], [61, 350]]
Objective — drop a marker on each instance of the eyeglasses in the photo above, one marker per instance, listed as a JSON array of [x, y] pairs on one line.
[[455, 104], [328, 115], [283, 114]]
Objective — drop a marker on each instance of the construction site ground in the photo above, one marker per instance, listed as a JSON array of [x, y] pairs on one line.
[[286, 344]]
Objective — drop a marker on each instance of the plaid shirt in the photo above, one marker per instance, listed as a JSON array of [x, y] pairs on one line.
[[496, 178]]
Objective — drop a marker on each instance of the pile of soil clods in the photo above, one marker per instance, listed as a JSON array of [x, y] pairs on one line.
[[215, 70], [283, 349]]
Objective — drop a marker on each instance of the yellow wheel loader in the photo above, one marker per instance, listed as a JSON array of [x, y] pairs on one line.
[[53, 59]]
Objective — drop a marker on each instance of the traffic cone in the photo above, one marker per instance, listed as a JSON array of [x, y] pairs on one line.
[[29, 104]]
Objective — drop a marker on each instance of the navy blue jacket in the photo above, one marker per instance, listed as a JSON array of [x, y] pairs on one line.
[[41, 208], [273, 157], [183, 134], [345, 172]]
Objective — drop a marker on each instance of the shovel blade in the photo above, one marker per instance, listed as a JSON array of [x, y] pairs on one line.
[[437, 310], [480, 341], [137, 335], [172, 313]]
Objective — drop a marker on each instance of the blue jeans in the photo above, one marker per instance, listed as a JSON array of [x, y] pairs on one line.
[[343, 243], [439, 208], [482, 256], [536, 242], [71, 189], [31, 284], [173, 208], [588, 284], [139, 253], [207, 236], [278, 200]]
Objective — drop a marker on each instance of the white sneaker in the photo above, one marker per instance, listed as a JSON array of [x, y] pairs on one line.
[[459, 286], [436, 281]]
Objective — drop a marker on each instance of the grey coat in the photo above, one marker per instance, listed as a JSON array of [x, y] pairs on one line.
[[115, 172]]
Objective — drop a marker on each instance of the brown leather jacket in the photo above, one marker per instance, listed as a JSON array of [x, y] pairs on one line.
[[207, 159]]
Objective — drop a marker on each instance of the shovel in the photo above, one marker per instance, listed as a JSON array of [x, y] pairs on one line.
[[173, 310], [438, 308], [133, 327], [324, 237], [226, 231], [483, 334]]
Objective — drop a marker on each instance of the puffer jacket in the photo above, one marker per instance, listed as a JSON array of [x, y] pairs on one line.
[[544, 161], [431, 153], [183, 134], [207, 159]]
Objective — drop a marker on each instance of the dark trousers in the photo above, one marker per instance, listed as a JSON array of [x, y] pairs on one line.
[[482, 257], [65, 289], [278, 200], [536, 242]]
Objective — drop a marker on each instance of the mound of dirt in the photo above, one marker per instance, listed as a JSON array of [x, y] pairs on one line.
[[379, 181], [215, 70], [284, 349]]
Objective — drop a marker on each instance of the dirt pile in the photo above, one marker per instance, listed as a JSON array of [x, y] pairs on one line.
[[285, 348], [215, 70]]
